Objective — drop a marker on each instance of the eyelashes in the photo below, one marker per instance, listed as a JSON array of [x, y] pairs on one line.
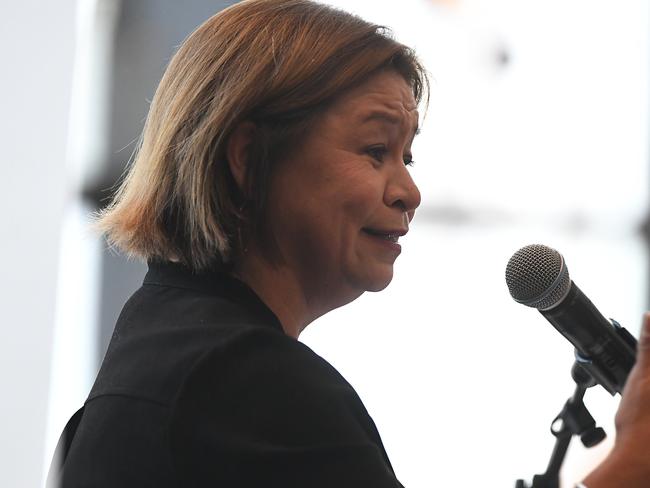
[[408, 161], [379, 152]]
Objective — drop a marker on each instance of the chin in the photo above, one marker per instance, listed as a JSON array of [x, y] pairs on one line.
[[375, 277], [379, 281], [378, 287]]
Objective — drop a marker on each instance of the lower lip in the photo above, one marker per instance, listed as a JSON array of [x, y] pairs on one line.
[[393, 246]]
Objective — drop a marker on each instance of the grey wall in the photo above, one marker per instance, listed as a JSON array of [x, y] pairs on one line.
[[35, 90], [147, 34]]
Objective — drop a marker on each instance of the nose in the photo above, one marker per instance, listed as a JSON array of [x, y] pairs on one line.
[[402, 192]]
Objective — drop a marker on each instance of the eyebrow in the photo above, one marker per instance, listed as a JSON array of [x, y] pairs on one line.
[[387, 117]]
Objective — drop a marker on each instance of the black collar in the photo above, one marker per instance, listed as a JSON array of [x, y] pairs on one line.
[[217, 283]]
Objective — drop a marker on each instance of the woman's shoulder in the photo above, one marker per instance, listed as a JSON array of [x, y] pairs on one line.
[[163, 334], [269, 401], [266, 377], [263, 359]]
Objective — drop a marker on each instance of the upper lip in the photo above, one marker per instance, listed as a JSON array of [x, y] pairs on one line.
[[388, 232]]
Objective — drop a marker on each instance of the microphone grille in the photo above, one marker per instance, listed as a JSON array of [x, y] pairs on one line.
[[537, 276]]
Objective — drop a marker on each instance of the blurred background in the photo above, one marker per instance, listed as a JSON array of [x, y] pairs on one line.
[[537, 132]]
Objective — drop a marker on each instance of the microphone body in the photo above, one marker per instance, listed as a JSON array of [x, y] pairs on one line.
[[538, 277], [603, 348]]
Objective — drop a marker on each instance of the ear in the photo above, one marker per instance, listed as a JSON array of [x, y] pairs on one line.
[[237, 150]]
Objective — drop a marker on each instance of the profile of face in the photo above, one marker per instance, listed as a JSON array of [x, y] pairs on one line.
[[340, 200]]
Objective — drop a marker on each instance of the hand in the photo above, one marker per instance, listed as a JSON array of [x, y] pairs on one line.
[[628, 464], [633, 416]]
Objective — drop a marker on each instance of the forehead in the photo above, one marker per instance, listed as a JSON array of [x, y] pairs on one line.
[[384, 96]]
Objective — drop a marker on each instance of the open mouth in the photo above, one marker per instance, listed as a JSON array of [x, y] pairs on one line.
[[387, 235]]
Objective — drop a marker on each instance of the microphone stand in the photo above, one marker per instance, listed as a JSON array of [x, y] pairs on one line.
[[574, 419]]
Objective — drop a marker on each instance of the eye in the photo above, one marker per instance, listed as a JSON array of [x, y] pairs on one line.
[[377, 152]]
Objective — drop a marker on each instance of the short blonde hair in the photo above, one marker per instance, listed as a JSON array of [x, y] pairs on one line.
[[277, 63]]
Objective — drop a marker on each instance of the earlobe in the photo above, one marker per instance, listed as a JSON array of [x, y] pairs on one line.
[[237, 150]]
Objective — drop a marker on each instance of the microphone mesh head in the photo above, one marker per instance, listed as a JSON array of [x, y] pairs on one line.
[[537, 277]]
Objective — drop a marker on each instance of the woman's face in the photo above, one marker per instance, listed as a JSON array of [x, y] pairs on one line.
[[344, 195]]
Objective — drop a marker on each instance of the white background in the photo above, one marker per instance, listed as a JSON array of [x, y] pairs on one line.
[[550, 148]]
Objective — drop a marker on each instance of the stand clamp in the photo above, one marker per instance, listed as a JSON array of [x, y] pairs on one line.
[[574, 419]]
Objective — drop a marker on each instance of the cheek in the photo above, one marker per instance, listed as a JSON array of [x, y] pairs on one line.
[[336, 190], [323, 203], [326, 216], [350, 198], [359, 202], [323, 223]]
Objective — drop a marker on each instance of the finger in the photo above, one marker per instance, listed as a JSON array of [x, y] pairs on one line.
[[643, 349]]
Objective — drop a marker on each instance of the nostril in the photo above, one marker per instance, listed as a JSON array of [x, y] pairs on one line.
[[400, 204]]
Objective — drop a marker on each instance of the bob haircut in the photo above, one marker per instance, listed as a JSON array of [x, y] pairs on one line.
[[277, 63]]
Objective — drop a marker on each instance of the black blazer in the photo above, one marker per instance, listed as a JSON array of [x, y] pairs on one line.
[[201, 387]]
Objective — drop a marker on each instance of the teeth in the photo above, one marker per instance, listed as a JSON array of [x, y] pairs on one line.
[[388, 237]]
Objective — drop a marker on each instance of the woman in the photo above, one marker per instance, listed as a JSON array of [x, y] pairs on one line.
[[271, 186]]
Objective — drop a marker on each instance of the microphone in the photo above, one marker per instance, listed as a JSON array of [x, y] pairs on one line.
[[537, 277]]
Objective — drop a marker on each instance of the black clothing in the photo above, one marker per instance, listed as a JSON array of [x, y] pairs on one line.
[[201, 387]]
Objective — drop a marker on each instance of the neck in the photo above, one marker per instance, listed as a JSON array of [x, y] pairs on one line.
[[278, 290], [291, 297]]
